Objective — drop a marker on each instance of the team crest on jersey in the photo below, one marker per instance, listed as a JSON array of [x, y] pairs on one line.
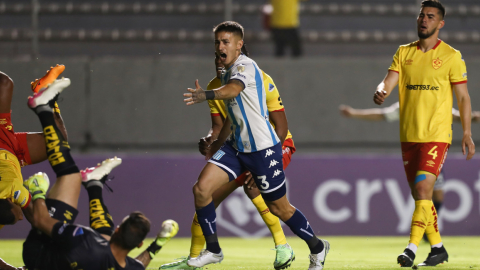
[[240, 68], [271, 87], [437, 63], [16, 194]]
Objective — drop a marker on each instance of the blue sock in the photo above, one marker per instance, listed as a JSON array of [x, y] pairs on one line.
[[299, 225], [208, 219]]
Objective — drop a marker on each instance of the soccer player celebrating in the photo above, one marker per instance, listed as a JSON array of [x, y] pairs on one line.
[[278, 119], [19, 149], [391, 114], [73, 246], [253, 146], [427, 70]]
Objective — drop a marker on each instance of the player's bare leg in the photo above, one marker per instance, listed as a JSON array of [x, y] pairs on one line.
[[68, 185], [300, 226], [211, 178]]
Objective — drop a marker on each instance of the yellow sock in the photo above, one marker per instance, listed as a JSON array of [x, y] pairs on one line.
[[271, 221], [432, 232], [198, 240], [421, 216]]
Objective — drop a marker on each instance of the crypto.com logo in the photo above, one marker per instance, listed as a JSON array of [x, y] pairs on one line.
[[239, 216]]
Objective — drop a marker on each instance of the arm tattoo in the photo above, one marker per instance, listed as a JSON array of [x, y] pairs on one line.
[[199, 96], [144, 257]]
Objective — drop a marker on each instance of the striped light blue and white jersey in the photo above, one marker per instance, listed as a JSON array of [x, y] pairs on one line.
[[251, 130]]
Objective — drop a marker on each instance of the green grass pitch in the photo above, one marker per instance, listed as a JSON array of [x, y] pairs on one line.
[[346, 252]]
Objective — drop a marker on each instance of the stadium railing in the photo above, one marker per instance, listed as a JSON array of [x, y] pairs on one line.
[[137, 8]]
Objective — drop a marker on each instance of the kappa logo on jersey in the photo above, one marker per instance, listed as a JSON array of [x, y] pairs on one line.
[[269, 152], [431, 163], [273, 162], [218, 155], [271, 87], [232, 102], [16, 194], [276, 173], [437, 63]]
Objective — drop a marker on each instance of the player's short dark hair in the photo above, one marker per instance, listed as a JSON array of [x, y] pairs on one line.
[[435, 4], [132, 231], [231, 27], [6, 214]]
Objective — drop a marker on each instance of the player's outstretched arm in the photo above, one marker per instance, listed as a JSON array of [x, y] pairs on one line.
[[465, 108], [228, 91], [456, 116], [385, 87], [279, 119], [363, 114]]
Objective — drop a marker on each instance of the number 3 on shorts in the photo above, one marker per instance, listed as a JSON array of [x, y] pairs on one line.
[[264, 184], [434, 154]]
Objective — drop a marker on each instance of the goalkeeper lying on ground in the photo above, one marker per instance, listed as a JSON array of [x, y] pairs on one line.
[[55, 243]]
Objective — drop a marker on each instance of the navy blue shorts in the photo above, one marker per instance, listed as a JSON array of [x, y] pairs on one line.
[[266, 167]]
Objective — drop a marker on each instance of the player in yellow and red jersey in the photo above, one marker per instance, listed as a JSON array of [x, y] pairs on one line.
[[18, 149], [427, 71], [278, 119]]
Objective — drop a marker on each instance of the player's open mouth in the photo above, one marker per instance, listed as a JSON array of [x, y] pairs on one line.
[[223, 56], [423, 27]]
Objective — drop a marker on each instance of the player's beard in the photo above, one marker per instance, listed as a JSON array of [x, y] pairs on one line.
[[426, 35]]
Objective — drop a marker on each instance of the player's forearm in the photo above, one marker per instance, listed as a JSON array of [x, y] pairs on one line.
[[368, 114], [28, 213], [144, 258], [229, 91], [388, 83], [465, 108], [217, 125], [41, 217], [225, 132]]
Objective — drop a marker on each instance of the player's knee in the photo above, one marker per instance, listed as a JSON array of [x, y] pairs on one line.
[[6, 83], [200, 191]]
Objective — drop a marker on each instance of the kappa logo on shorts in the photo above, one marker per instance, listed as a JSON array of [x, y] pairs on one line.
[[273, 162], [16, 194], [431, 163], [218, 155], [276, 173], [269, 152]]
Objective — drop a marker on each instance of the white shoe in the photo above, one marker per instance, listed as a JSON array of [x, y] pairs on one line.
[[46, 95], [103, 169], [317, 261], [206, 257]]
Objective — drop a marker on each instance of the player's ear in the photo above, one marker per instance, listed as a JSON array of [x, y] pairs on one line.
[[140, 245], [441, 25], [240, 44]]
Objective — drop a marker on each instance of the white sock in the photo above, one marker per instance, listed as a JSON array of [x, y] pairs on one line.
[[412, 247], [439, 245]]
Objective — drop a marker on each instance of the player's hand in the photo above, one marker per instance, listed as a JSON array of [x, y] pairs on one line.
[[204, 144], [195, 96], [475, 116], [379, 97], [214, 147], [346, 110], [467, 143], [249, 181]]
